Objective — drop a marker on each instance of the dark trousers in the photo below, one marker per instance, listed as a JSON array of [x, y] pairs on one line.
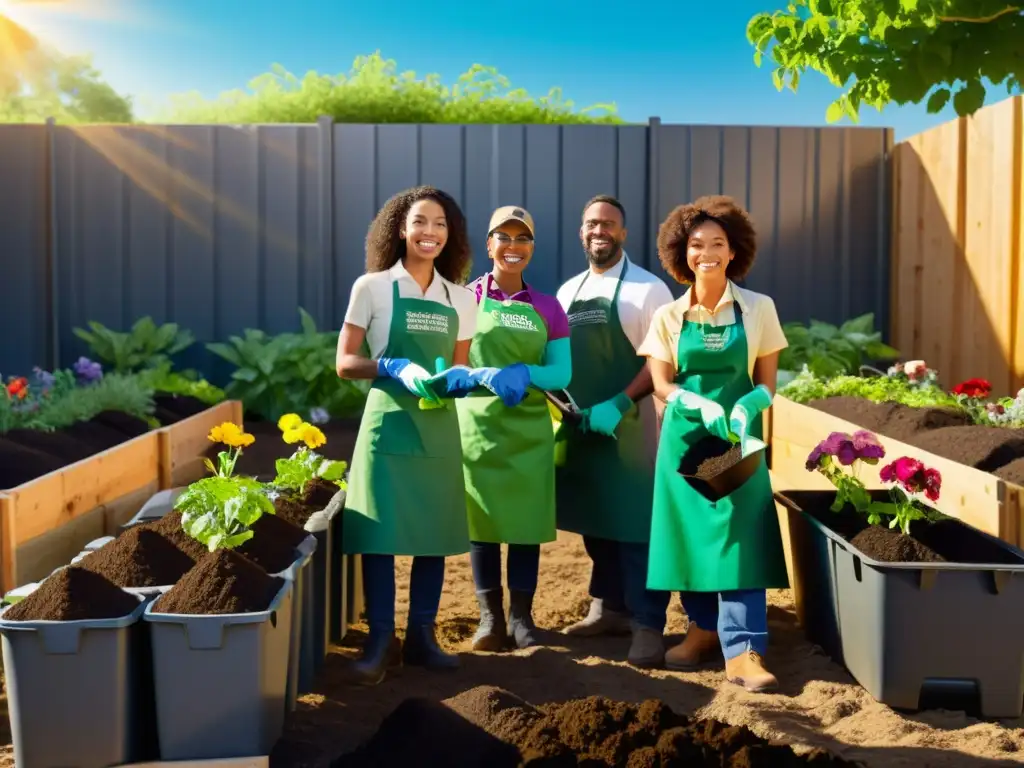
[[619, 579], [521, 568], [425, 585]]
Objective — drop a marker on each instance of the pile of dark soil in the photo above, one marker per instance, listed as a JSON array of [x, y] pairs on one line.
[[222, 582], [318, 494], [292, 510], [169, 526], [124, 423], [481, 724], [1012, 472], [139, 557], [945, 540], [170, 409], [273, 543], [864, 413], [65, 448], [981, 447], [710, 457], [19, 464], [73, 594]]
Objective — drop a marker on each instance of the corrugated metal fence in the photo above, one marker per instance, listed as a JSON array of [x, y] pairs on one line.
[[220, 228]]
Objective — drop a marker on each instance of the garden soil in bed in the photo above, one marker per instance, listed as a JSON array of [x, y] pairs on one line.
[[490, 727], [139, 557], [223, 582], [272, 546], [937, 430], [73, 594], [169, 526]]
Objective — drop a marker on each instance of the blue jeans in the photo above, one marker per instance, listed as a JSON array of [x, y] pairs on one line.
[[522, 566], [425, 584], [739, 616], [619, 579]]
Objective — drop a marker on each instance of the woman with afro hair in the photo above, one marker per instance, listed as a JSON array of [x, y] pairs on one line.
[[406, 491], [713, 355]]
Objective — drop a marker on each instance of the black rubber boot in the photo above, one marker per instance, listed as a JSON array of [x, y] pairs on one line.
[[421, 650], [520, 619], [491, 634], [380, 652]]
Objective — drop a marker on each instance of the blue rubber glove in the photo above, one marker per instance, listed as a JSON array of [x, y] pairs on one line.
[[748, 408], [457, 381], [604, 417], [508, 383], [712, 415], [413, 377]]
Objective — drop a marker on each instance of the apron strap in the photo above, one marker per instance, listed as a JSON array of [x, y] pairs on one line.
[[618, 285]]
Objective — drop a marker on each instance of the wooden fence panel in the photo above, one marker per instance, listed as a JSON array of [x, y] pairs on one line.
[[956, 276]]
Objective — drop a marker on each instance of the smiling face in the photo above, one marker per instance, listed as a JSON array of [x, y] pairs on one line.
[[707, 251], [602, 234], [425, 230], [510, 246]]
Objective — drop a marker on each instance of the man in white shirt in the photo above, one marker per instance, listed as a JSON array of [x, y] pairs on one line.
[[606, 484]]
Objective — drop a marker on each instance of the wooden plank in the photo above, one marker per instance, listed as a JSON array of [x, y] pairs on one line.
[[48, 502], [968, 494], [229, 762], [8, 552], [185, 442], [1011, 511], [1017, 269]]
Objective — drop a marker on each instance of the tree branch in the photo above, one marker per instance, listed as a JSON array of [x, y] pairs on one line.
[[983, 20]]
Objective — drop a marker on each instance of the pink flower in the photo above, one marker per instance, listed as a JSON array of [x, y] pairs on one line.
[[906, 468], [915, 369], [932, 484], [913, 476]]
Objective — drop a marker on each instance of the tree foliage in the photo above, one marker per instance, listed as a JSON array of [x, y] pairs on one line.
[[375, 92], [896, 51], [37, 83]]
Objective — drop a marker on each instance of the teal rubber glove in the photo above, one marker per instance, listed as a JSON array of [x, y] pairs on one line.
[[604, 417], [712, 415], [748, 408]]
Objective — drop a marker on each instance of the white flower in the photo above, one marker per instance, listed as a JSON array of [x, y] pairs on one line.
[[914, 368]]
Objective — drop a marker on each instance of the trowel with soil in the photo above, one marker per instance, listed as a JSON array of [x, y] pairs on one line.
[[717, 467]]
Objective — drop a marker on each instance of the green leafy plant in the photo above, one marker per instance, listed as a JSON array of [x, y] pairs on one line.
[[163, 379], [124, 393], [146, 345], [878, 389], [374, 91], [219, 511], [305, 465], [829, 350], [289, 373], [895, 51]]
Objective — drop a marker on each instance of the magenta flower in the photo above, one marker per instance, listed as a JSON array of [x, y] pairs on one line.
[[867, 446], [913, 476], [906, 468]]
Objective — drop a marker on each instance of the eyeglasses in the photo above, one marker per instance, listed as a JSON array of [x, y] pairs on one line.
[[504, 239]]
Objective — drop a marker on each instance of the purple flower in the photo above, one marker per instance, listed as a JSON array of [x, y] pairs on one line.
[[867, 446], [87, 371], [43, 378]]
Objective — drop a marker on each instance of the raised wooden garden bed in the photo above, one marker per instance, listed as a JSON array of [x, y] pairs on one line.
[[46, 521], [977, 497]]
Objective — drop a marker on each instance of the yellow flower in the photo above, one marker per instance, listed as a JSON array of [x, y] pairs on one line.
[[312, 436], [231, 435], [293, 435], [289, 421]]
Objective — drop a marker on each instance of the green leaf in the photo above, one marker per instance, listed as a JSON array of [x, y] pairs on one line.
[[863, 324], [757, 58], [908, 6], [778, 79], [835, 111], [970, 98]]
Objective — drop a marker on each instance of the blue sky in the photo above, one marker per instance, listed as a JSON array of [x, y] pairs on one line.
[[682, 61]]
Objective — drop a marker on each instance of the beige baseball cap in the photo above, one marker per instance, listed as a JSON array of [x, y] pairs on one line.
[[509, 213]]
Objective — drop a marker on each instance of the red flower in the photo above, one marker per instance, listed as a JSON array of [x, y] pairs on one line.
[[913, 476], [973, 388], [18, 388]]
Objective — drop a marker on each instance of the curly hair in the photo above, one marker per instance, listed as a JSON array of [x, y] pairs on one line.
[[384, 248], [674, 235]]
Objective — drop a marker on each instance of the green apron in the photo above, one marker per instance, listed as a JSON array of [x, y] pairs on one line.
[[711, 546], [508, 453], [605, 486], [406, 495]]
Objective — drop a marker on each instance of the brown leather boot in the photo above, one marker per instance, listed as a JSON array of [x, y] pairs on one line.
[[697, 647], [747, 670]]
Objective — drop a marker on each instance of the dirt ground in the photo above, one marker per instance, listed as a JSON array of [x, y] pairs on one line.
[[818, 705]]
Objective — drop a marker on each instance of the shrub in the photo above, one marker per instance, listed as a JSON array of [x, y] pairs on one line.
[[375, 92]]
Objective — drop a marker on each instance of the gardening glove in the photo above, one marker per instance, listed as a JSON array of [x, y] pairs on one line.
[[712, 415], [457, 381], [748, 408], [604, 417], [509, 383], [413, 377]]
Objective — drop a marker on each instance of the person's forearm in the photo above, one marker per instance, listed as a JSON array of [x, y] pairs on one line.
[[357, 367], [641, 386]]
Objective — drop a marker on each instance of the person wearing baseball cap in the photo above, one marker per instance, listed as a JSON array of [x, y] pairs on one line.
[[522, 344]]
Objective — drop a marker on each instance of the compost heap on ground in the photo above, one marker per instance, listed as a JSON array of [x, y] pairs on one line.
[[492, 728]]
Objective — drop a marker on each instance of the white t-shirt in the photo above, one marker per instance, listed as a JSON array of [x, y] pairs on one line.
[[371, 303], [641, 295]]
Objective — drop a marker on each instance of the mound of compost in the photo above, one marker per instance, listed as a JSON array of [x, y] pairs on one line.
[[139, 557], [73, 594], [222, 582]]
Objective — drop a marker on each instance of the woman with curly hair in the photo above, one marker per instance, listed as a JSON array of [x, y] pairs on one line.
[[713, 355], [406, 491]]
